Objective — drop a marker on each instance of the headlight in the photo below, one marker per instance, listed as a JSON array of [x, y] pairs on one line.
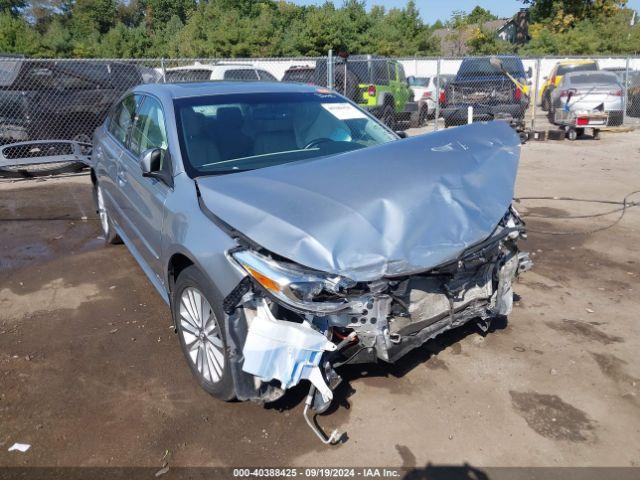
[[292, 285]]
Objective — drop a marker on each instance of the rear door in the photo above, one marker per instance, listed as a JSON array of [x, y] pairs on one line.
[[144, 198], [109, 154]]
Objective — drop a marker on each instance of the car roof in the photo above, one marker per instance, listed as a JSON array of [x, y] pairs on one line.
[[201, 89]]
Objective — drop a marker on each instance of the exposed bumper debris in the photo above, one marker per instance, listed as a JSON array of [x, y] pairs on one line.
[[452, 262]]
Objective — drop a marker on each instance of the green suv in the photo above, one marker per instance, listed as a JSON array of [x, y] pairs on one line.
[[377, 84]]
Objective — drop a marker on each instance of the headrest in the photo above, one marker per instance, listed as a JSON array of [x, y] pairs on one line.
[[230, 117], [193, 123]]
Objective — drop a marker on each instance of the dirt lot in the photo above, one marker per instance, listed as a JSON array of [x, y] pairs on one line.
[[92, 375]]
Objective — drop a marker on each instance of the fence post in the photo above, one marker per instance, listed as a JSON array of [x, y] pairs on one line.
[[437, 99], [535, 86], [330, 69], [624, 93], [164, 71]]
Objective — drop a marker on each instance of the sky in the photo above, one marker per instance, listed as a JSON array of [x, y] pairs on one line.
[[433, 10]]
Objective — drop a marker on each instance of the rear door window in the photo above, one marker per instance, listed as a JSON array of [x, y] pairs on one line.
[[122, 117]]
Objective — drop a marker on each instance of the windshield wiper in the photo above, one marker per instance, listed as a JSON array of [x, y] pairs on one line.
[[226, 172]]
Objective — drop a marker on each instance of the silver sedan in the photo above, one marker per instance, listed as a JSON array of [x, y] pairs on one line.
[[291, 233], [585, 92]]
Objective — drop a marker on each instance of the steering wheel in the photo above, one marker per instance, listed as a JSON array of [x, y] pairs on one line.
[[316, 142]]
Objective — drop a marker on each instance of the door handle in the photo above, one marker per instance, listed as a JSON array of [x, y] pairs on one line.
[[122, 180]]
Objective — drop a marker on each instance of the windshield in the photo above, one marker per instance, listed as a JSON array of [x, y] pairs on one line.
[[231, 133], [299, 76], [594, 78], [580, 67], [482, 66], [188, 75], [418, 81], [8, 71]]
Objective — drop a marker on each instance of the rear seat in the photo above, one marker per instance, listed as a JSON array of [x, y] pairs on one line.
[[273, 132], [231, 139]]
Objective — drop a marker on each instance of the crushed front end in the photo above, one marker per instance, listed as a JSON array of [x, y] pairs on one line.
[[300, 324]]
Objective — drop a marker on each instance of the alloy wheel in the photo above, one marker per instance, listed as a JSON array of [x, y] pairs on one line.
[[201, 333], [102, 212]]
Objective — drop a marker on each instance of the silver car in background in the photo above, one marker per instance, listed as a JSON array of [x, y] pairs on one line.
[[584, 92], [292, 233]]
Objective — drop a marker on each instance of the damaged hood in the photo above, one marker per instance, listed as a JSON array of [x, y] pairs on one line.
[[398, 208]]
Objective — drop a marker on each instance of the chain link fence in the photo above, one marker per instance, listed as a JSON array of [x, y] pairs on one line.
[[66, 99]]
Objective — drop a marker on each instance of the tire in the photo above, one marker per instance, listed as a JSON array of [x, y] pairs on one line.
[[423, 116], [389, 117], [110, 235], [633, 106], [546, 102], [201, 330], [551, 114], [572, 134]]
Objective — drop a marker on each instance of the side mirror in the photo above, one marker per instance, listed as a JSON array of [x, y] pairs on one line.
[[151, 161], [151, 165], [401, 133]]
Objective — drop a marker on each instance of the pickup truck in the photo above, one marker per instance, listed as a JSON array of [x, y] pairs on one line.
[[488, 89], [59, 99]]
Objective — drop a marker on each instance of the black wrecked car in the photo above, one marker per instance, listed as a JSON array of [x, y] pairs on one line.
[[489, 89], [61, 99]]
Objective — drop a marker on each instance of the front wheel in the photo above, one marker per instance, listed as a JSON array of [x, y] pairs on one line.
[[201, 331]]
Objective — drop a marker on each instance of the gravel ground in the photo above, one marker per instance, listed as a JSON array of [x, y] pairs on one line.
[[92, 375]]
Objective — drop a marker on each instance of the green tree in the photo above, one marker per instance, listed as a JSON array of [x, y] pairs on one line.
[[17, 36], [479, 15], [485, 42], [90, 16], [561, 15], [159, 12]]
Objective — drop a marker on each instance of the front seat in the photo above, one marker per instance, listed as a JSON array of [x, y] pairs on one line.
[[275, 134], [201, 148]]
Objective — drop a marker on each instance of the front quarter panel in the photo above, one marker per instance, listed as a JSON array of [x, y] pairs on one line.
[[189, 232]]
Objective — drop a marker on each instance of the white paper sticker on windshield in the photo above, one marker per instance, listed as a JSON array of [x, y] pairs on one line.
[[343, 111]]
